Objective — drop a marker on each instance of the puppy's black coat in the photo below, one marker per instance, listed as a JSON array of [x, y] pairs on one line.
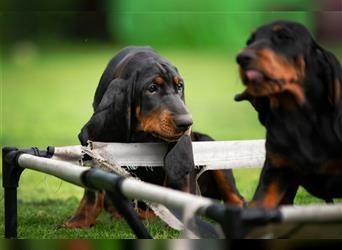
[[140, 98], [295, 86]]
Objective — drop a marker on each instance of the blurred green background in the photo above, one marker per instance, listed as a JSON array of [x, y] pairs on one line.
[[53, 54]]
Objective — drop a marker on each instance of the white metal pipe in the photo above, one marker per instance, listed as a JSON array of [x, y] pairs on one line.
[[312, 213], [136, 189], [64, 170], [132, 188]]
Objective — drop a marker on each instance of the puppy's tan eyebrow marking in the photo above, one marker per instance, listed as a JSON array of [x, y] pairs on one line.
[[176, 80], [277, 27], [159, 80]]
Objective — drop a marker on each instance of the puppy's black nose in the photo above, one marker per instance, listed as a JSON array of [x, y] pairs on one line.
[[183, 122], [245, 57]]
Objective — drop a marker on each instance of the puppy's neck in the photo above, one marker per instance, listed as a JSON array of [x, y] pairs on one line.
[[284, 101]]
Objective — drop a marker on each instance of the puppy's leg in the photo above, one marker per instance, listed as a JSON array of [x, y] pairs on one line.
[[108, 206], [144, 212], [220, 184], [276, 186], [226, 185], [90, 207]]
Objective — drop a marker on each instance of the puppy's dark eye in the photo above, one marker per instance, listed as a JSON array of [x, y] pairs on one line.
[[180, 88], [152, 88]]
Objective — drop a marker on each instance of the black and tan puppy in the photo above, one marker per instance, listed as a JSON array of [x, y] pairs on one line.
[[140, 98], [295, 86]]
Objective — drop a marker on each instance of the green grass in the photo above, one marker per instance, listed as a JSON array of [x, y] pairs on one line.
[[46, 98]]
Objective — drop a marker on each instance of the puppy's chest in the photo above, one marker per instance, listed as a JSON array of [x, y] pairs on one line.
[[306, 141]]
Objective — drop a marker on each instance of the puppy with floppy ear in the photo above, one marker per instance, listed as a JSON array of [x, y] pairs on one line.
[[140, 98], [295, 86]]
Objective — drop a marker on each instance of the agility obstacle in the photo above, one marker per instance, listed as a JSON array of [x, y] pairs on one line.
[[313, 221]]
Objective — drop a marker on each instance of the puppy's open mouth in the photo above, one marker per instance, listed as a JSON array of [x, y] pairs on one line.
[[259, 83], [256, 76], [253, 76]]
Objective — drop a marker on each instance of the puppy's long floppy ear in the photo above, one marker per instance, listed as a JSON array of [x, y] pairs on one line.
[[179, 162], [332, 75], [111, 120]]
